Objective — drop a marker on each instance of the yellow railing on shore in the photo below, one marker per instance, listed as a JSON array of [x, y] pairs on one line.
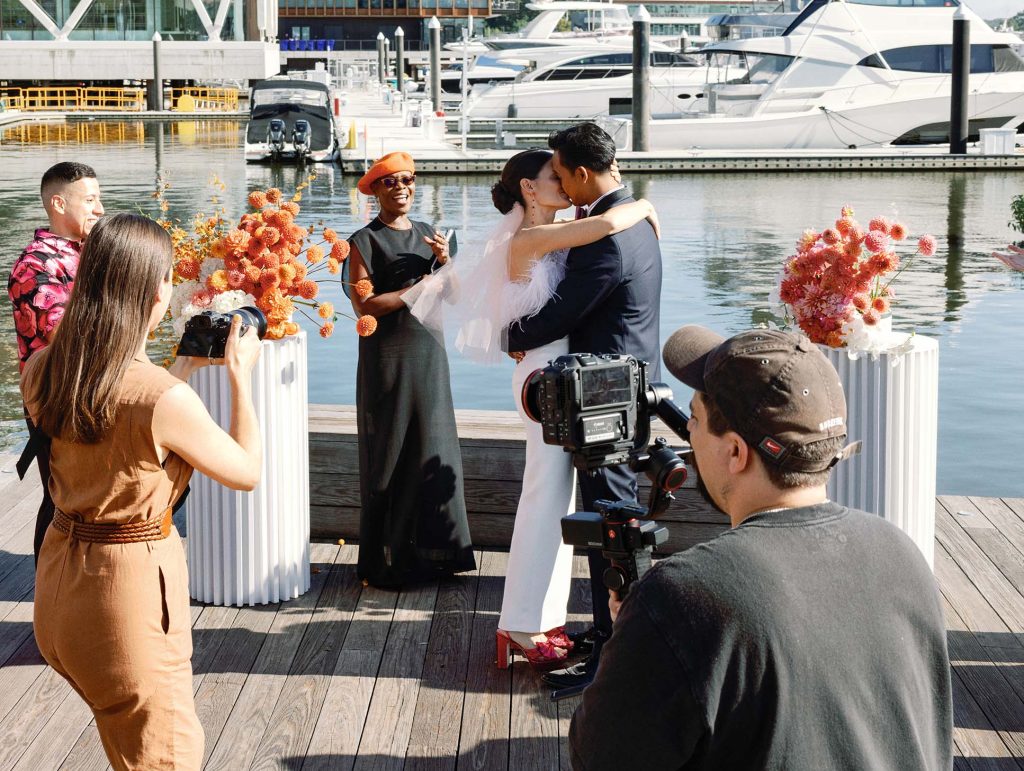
[[205, 99], [113, 99]]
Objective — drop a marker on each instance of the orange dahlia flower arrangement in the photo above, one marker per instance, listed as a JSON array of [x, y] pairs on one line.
[[266, 259], [839, 282]]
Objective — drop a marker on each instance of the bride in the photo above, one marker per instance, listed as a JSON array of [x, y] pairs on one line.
[[523, 263]]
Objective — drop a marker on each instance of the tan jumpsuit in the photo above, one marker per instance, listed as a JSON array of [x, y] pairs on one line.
[[114, 619]]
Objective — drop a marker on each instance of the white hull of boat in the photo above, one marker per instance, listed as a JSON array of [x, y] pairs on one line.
[[260, 151], [814, 128]]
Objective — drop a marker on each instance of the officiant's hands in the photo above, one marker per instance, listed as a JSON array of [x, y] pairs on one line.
[[438, 245]]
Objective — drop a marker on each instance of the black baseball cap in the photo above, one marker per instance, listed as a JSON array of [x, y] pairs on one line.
[[776, 389]]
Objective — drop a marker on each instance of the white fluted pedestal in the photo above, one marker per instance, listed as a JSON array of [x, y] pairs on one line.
[[253, 548], [892, 404]]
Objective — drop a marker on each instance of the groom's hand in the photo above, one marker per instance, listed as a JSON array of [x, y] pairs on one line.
[[517, 356]]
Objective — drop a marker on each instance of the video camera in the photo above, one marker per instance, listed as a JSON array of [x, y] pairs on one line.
[[599, 408]]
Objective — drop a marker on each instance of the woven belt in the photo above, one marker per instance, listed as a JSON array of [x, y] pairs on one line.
[[107, 532]]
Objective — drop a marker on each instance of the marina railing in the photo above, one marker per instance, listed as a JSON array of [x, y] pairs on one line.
[[129, 99]]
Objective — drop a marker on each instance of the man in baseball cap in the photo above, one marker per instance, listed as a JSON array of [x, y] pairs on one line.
[[808, 636]]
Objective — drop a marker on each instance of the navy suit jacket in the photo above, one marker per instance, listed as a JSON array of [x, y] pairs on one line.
[[609, 300]]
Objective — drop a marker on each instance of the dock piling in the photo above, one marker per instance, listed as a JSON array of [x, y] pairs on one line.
[[959, 126], [435, 62], [156, 86], [399, 56], [641, 79], [382, 62]]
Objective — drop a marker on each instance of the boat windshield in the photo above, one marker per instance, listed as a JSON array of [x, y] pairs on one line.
[[305, 96], [747, 66], [495, 61]]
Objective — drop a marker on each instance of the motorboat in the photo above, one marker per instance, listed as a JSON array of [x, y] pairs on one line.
[[847, 74], [290, 119], [591, 83], [585, 20], [506, 66]]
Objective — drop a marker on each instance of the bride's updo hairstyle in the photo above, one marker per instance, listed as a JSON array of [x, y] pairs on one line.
[[507, 192]]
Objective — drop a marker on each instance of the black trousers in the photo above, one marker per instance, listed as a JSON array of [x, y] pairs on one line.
[[613, 483], [40, 444]]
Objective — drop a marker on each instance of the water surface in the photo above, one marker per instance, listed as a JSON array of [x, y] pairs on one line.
[[723, 241]]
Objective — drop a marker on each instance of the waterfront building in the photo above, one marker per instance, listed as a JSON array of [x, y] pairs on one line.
[[354, 24], [109, 40], [701, 21]]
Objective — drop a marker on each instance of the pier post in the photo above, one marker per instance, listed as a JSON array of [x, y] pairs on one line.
[[641, 78], [435, 62], [156, 85], [399, 56], [382, 62], [958, 123]]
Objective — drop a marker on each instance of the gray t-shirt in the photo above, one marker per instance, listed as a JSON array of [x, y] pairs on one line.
[[810, 638]]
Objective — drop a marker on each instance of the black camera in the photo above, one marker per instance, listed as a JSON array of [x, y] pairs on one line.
[[206, 333], [599, 408]]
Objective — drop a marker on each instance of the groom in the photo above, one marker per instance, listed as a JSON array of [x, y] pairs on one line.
[[608, 302]]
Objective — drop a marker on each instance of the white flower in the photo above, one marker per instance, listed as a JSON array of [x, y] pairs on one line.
[[231, 300]]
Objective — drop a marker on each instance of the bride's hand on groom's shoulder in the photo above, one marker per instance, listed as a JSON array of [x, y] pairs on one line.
[[652, 217]]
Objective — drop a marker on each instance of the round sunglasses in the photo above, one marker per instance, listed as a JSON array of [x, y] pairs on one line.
[[391, 182]]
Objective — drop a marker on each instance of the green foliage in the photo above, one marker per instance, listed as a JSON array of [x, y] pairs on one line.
[[1017, 22], [1017, 212], [510, 21]]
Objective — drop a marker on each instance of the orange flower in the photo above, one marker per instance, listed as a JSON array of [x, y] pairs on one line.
[[308, 289], [187, 269], [270, 261], [255, 248], [218, 281], [880, 304], [291, 328], [291, 207], [834, 339], [269, 280], [314, 254], [237, 241], [333, 266], [252, 273], [364, 288], [327, 329], [300, 271], [276, 331], [340, 250], [330, 236], [287, 272], [366, 326], [325, 310], [257, 199], [268, 234], [294, 233], [274, 195]]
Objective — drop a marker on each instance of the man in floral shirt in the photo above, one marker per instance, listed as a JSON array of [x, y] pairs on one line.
[[41, 282]]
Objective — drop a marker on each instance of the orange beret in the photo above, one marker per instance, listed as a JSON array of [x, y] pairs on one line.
[[392, 163]]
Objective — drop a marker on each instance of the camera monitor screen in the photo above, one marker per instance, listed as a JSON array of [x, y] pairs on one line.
[[606, 386]]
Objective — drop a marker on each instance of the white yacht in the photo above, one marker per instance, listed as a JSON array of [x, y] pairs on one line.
[[587, 20], [848, 74], [591, 83]]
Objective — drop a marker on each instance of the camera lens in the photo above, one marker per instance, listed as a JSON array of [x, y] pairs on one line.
[[252, 317], [531, 395]]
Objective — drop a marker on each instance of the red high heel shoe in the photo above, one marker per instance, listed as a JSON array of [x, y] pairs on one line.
[[543, 657], [560, 638]]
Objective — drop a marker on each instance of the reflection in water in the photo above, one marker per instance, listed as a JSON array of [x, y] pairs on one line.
[[955, 296], [724, 238]]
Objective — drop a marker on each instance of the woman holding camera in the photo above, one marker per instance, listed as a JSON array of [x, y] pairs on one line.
[[413, 514], [111, 603]]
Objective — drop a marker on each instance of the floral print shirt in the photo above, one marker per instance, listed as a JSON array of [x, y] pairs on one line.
[[39, 287]]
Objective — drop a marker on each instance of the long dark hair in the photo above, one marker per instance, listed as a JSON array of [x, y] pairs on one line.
[[125, 258], [507, 192]]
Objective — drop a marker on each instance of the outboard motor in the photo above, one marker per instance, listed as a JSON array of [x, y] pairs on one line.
[[276, 137], [302, 135]]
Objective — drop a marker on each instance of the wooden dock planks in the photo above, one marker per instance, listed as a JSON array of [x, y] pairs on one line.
[[353, 677]]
